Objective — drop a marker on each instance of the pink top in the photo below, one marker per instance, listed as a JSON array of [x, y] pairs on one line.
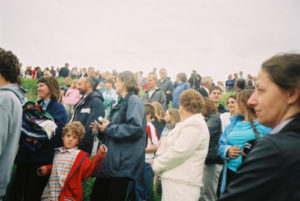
[[72, 96]]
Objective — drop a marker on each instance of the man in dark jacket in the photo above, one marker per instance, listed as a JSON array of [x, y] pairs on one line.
[[215, 93], [206, 83], [64, 71], [154, 94], [87, 110]]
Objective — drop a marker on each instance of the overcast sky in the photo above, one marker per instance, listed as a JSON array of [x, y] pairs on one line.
[[213, 37]]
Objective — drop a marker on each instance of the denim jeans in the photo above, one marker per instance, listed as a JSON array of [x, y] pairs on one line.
[[142, 191]]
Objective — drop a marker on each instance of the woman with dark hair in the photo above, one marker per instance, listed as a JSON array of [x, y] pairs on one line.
[[125, 137], [181, 163], [243, 128], [271, 171], [28, 186], [213, 163], [231, 105]]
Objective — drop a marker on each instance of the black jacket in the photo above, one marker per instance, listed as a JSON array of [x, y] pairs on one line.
[[221, 109], [203, 92], [214, 125], [64, 72], [125, 138], [271, 171], [87, 110]]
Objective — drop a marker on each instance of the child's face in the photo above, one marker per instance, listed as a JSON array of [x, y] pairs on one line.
[[168, 117], [70, 140]]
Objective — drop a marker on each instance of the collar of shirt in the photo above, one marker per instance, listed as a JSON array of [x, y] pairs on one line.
[[45, 104], [280, 126], [206, 89], [151, 91], [61, 150]]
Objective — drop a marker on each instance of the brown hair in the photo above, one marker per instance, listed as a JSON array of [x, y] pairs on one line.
[[110, 80], [76, 128], [182, 77], [215, 88], [284, 71], [150, 110], [242, 98], [192, 101], [130, 81], [209, 107], [231, 96], [159, 111], [175, 116], [10, 69], [53, 86]]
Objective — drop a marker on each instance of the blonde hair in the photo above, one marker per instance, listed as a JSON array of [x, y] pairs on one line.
[[76, 128], [175, 116], [159, 112], [73, 85], [153, 76]]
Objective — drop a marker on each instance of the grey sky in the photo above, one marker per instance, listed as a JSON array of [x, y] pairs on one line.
[[214, 37]]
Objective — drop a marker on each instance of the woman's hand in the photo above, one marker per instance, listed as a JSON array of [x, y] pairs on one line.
[[151, 164], [234, 152], [102, 126]]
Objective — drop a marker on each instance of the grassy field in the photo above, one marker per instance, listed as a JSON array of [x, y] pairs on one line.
[[31, 86]]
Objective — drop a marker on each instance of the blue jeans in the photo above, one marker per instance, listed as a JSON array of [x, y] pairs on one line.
[[142, 191]]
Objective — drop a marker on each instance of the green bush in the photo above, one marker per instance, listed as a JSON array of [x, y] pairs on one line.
[[225, 96], [31, 86]]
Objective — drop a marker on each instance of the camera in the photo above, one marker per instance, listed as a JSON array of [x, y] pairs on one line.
[[100, 120], [248, 146]]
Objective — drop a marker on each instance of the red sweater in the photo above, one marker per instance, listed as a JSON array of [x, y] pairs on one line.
[[82, 168]]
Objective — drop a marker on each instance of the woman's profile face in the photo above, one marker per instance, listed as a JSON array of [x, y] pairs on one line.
[[168, 117], [43, 91], [231, 104], [269, 101], [120, 86]]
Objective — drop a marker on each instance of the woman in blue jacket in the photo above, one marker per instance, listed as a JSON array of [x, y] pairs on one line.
[[125, 137], [28, 186], [243, 128]]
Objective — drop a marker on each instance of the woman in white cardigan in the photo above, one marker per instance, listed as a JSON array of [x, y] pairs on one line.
[[184, 151]]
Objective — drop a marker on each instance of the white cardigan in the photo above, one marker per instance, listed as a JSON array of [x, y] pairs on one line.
[[184, 153]]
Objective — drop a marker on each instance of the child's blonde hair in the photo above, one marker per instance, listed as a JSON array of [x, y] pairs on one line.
[[175, 116], [76, 128], [159, 112], [73, 85]]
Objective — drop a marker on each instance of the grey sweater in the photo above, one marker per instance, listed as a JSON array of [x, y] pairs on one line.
[[11, 99]]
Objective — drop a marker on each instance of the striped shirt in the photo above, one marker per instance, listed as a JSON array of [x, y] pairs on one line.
[[62, 164]]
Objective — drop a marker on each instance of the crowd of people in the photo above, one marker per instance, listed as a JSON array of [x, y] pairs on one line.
[[176, 136]]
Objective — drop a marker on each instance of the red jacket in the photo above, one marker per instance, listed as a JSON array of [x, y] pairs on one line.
[[82, 168]]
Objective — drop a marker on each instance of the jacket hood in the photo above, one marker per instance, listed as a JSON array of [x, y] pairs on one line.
[[17, 90], [95, 94]]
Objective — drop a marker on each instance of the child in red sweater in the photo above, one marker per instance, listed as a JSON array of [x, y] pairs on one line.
[[70, 166]]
